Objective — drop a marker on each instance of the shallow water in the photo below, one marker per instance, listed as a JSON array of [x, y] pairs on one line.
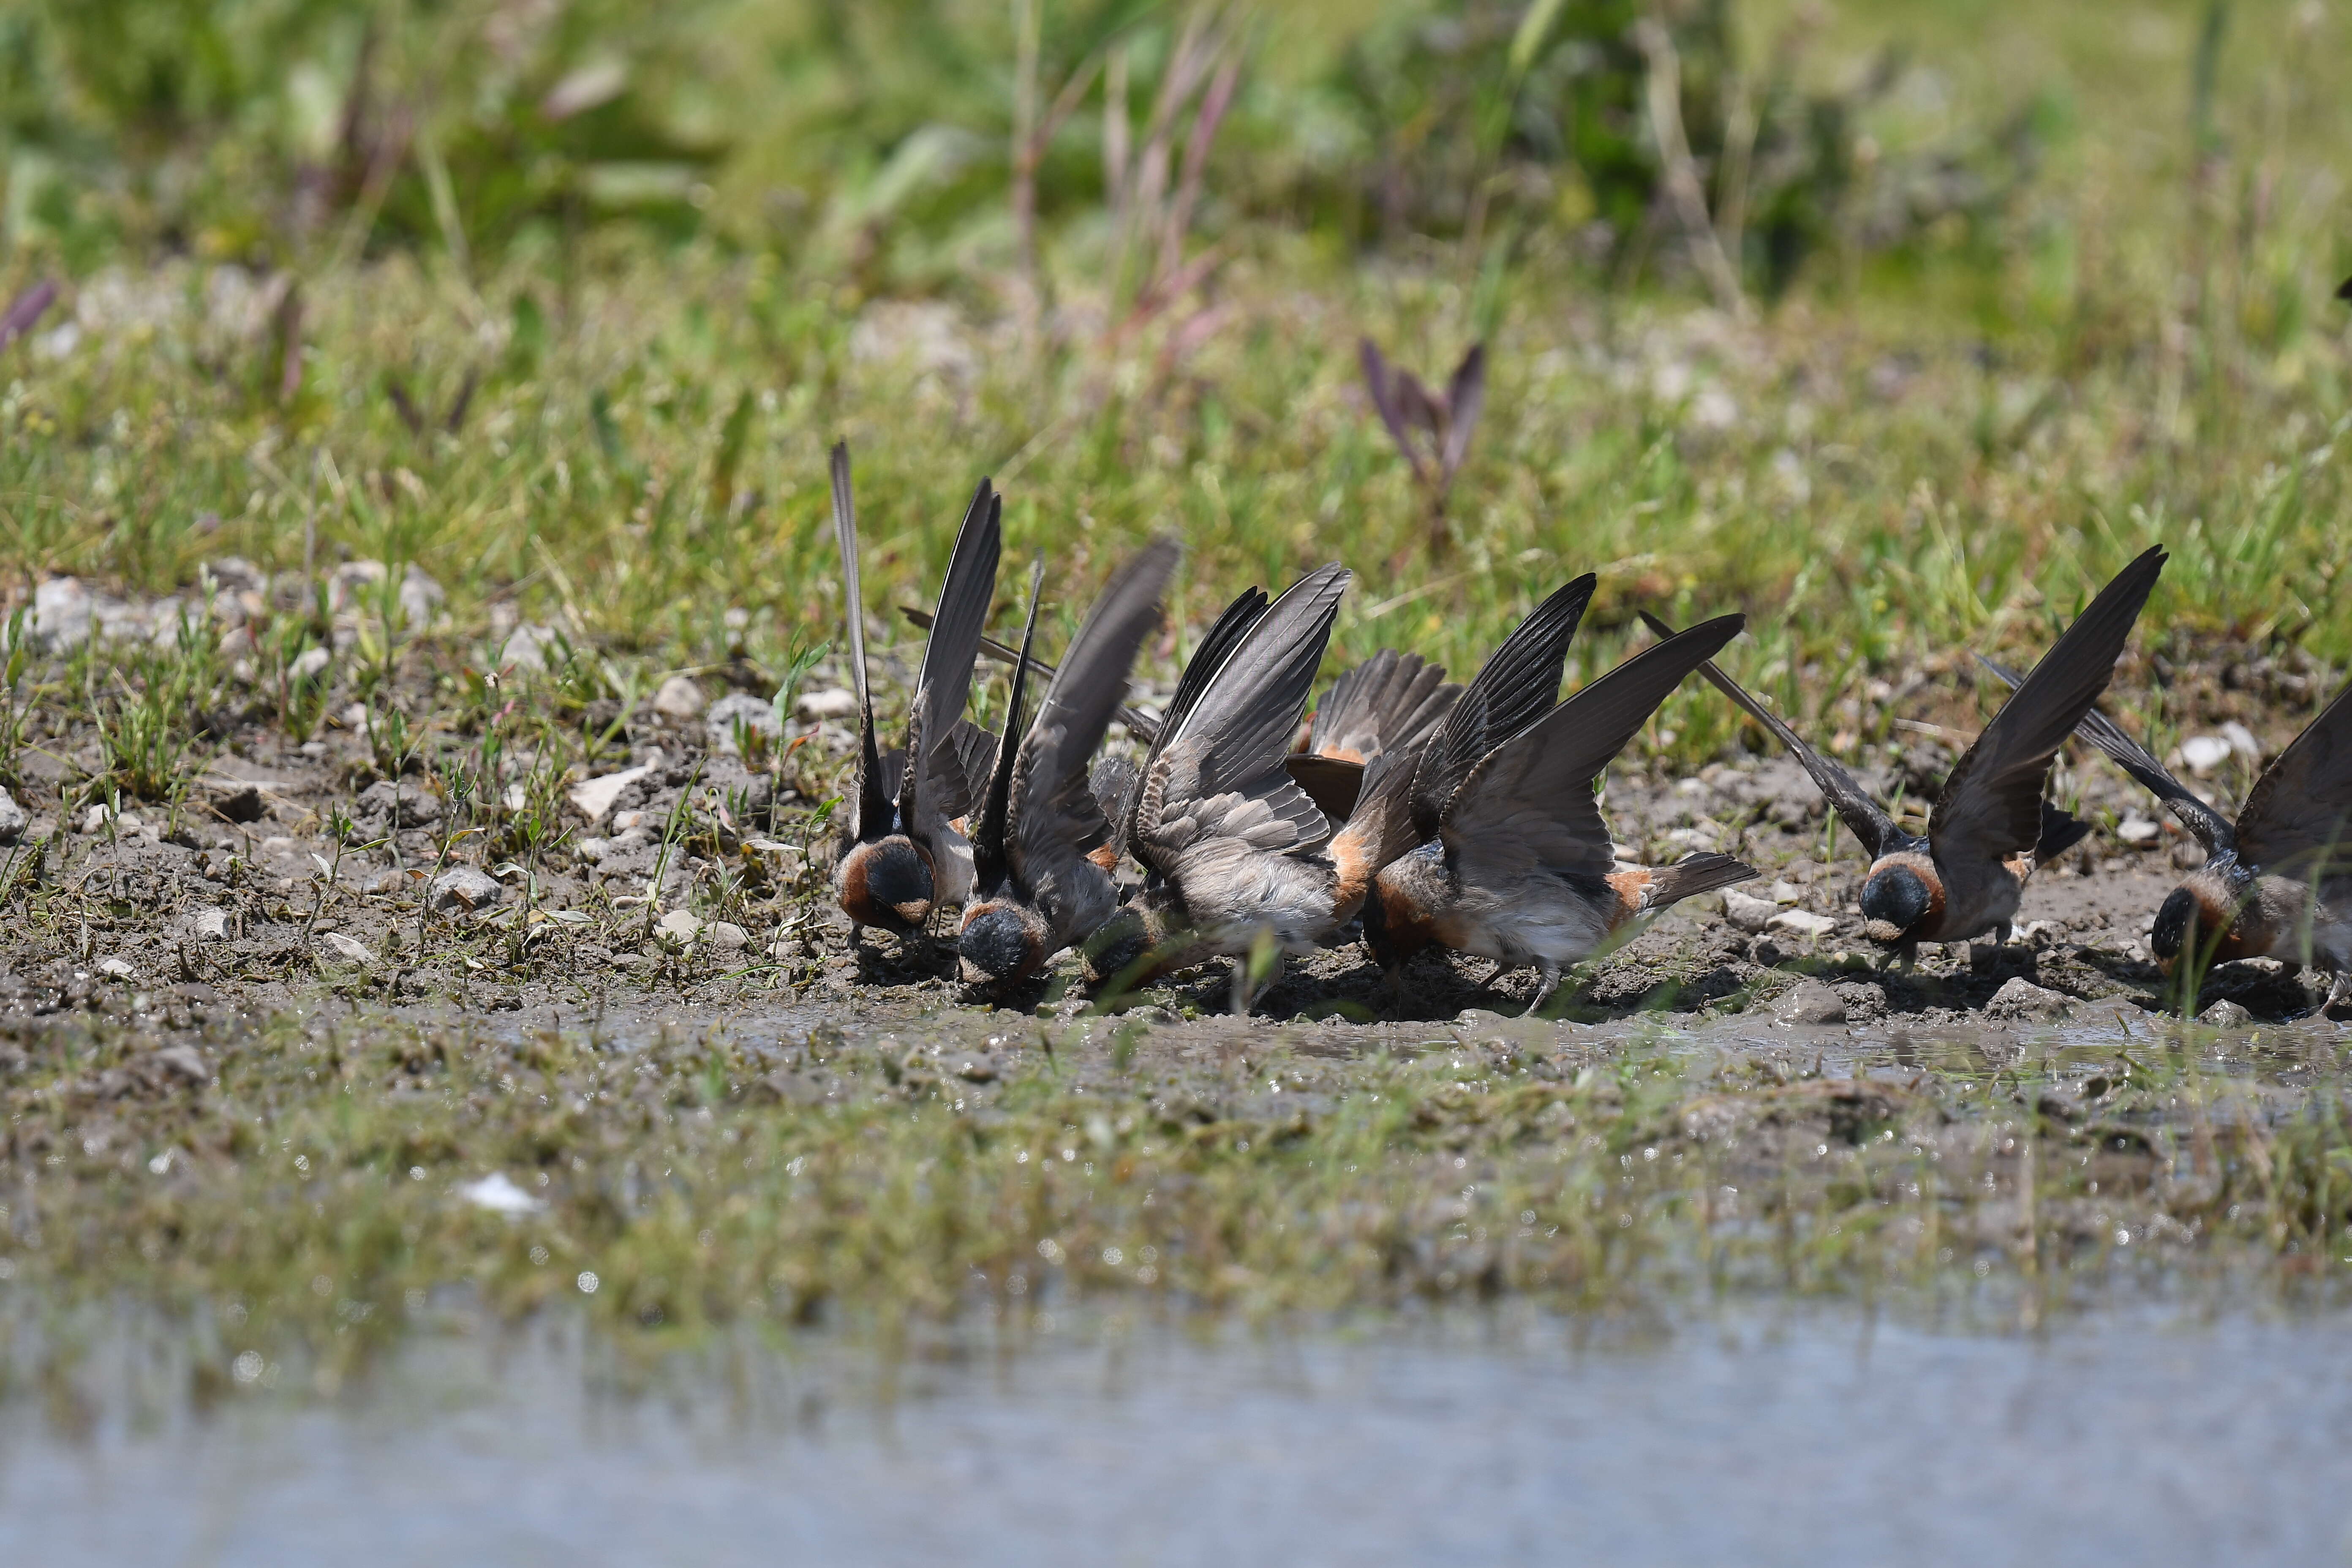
[[1816, 1439]]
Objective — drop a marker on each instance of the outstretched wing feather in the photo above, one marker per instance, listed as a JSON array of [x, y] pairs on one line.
[[1530, 803], [1990, 805]]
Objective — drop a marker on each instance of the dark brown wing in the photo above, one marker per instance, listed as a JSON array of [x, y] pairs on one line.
[[2210, 828], [1332, 783], [1209, 656], [1518, 685], [2298, 817], [1139, 724], [1990, 806], [1220, 771], [870, 803], [1391, 701], [1053, 818], [963, 784], [944, 681], [1530, 803], [1861, 814]]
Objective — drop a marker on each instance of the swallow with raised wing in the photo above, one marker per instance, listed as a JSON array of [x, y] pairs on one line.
[[2277, 882], [1393, 701], [901, 856], [1238, 853], [1990, 826], [1036, 888], [1522, 869]]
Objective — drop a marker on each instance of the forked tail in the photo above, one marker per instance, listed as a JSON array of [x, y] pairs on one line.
[[1693, 875]]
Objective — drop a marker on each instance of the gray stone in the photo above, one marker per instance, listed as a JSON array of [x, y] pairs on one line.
[[1804, 923], [1746, 912], [831, 702], [2225, 1015], [12, 818], [679, 699], [417, 806], [1810, 1002], [2020, 1000], [466, 888], [527, 648], [741, 711], [61, 613], [420, 598]]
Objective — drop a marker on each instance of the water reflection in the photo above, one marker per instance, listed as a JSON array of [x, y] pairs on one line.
[[1813, 1439]]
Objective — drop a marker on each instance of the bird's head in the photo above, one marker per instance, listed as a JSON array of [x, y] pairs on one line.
[[1894, 901], [1002, 945], [886, 883]]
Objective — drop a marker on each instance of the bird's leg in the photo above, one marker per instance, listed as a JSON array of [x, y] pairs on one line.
[[2339, 993], [1547, 982]]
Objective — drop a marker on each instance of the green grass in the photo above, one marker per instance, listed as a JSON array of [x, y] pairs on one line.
[[611, 420], [303, 1202]]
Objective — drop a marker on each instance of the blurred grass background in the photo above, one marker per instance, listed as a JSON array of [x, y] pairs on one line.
[[1898, 325]]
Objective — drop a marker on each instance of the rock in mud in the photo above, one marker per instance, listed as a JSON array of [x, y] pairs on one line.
[[209, 925], [116, 969], [12, 818], [728, 934], [679, 927], [2020, 1000], [680, 700], [182, 1062], [1804, 923], [527, 647], [350, 949], [1747, 913], [741, 711], [833, 702], [61, 612], [407, 803], [1811, 1003], [236, 802], [594, 798], [466, 888], [2225, 1015]]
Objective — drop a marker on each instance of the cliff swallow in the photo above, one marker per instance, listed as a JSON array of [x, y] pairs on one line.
[[1990, 826], [901, 857], [1522, 869], [2277, 883], [1035, 888], [1238, 852]]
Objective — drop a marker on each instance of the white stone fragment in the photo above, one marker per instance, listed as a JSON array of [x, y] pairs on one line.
[[594, 798], [678, 699], [350, 948], [498, 1195], [831, 702]]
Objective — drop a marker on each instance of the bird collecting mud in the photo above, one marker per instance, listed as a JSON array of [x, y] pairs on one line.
[[901, 858], [2276, 883], [1239, 854], [1036, 888], [1990, 826], [1522, 869]]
